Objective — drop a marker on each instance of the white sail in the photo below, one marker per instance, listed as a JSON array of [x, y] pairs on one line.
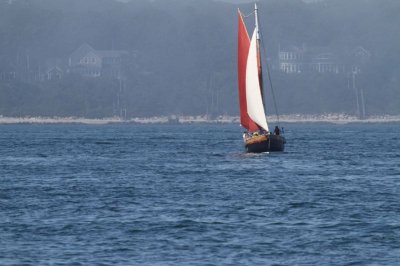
[[255, 107]]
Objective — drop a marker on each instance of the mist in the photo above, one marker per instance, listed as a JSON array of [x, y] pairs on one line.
[[104, 58]]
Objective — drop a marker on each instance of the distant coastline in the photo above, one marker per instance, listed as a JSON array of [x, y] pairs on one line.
[[292, 118]]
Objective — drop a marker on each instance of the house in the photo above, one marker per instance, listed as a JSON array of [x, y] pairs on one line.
[[89, 62], [293, 59], [325, 60], [54, 73], [361, 53], [8, 75], [8, 72], [85, 61], [359, 57]]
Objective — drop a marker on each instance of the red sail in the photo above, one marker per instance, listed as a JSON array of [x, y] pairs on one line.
[[243, 50]]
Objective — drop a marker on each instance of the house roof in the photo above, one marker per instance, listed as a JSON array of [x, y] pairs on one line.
[[86, 49], [52, 69], [83, 50], [292, 48], [361, 52], [111, 53]]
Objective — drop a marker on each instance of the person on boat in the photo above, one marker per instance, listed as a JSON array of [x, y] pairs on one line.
[[246, 135], [277, 131]]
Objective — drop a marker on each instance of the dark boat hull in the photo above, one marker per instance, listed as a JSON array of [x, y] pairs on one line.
[[271, 144]]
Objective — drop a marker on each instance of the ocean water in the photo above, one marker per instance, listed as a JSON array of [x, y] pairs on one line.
[[189, 195]]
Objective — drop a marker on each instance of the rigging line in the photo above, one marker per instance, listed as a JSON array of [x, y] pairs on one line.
[[269, 77], [248, 15]]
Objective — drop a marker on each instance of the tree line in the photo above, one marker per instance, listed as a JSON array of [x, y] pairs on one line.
[[186, 56]]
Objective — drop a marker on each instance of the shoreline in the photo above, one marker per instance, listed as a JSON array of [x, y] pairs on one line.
[[293, 118]]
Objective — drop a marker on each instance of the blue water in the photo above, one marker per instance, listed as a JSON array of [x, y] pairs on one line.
[[189, 195]]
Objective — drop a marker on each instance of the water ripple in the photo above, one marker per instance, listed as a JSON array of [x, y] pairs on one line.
[[112, 195]]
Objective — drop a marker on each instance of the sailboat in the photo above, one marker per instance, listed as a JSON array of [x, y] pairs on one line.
[[257, 137]]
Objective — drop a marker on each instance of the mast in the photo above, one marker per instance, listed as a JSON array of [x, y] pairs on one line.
[[254, 79], [256, 23], [260, 76]]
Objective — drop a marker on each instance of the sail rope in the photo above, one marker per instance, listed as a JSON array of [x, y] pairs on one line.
[[269, 76], [248, 15]]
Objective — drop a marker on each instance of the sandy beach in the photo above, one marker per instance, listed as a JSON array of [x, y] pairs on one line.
[[292, 118]]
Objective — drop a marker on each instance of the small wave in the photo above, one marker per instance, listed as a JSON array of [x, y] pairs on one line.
[[104, 142]]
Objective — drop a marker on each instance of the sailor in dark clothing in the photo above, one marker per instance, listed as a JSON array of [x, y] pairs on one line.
[[277, 131]]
